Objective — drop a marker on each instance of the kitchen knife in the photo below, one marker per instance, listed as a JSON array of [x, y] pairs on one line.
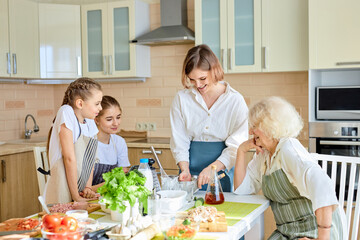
[[15, 232], [97, 234]]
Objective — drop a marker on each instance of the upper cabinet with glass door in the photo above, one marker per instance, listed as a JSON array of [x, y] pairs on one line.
[[106, 33], [232, 29], [19, 39], [254, 35], [334, 34]]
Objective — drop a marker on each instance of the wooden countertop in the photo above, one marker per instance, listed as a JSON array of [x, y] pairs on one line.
[[21, 145], [156, 142]]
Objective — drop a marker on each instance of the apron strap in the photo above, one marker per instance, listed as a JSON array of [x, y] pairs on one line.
[[41, 170]]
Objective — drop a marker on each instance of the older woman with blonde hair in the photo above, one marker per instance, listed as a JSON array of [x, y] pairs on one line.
[[301, 194]]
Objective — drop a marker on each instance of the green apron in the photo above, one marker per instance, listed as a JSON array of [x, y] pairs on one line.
[[293, 213]]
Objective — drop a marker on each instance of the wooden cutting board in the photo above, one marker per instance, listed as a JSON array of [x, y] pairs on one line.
[[92, 207], [219, 225], [11, 225]]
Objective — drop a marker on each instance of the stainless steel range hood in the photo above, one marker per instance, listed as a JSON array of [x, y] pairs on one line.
[[173, 28]]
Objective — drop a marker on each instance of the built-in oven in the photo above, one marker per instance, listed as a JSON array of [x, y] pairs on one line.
[[336, 138]]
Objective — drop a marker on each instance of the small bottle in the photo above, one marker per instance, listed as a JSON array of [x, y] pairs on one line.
[[214, 193], [145, 169], [154, 205]]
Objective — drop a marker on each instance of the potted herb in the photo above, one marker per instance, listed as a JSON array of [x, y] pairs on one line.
[[121, 189]]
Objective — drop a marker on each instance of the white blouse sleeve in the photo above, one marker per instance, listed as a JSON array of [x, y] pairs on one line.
[[179, 142], [252, 181], [122, 152], [238, 135], [309, 178]]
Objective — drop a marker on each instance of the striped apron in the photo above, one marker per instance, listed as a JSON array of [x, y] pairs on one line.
[[293, 213], [202, 154], [57, 190]]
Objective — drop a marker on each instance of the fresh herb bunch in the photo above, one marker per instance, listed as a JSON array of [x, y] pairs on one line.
[[120, 187]]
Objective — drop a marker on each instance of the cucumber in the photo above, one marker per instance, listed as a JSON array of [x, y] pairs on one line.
[[199, 202], [186, 222]]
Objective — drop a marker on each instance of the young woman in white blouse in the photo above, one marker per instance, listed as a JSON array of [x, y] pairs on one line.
[[301, 194], [112, 150], [208, 119]]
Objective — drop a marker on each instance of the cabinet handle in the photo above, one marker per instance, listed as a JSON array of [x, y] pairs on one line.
[[104, 65], [265, 57], [347, 63], [8, 63], [110, 64], [222, 52], [14, 64], [3, 167], [78, 61], [229, 58], [150, 152]]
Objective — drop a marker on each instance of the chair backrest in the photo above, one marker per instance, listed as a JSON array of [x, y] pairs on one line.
[[344, 172], [41, 161]]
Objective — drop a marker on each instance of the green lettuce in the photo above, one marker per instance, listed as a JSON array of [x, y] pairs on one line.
[[120, 187]]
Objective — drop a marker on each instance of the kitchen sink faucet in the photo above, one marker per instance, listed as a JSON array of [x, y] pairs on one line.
[[28, 132]]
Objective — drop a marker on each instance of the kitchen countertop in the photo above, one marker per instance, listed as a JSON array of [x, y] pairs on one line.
[[22, 145], [156, 142]]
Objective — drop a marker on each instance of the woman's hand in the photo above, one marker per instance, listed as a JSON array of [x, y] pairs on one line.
[[185, 175], [204, 176], [247, 145]]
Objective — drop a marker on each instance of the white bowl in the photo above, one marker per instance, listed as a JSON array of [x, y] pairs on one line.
[[77, 214], [172, 200]]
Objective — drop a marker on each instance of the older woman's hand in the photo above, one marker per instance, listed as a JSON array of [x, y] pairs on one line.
[[185, 176], [247, 145]]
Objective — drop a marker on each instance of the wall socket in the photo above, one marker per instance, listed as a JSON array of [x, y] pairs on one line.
[[145, 126]]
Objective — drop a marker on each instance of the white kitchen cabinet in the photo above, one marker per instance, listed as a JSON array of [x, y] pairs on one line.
[[19, 39], [107, 30], [60, 41], [254, 35], [334, 34]]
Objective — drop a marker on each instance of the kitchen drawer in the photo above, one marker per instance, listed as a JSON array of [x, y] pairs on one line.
[[164, 155]]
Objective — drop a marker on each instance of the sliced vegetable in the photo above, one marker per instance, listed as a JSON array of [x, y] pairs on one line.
[[186, 222], [199, 202]]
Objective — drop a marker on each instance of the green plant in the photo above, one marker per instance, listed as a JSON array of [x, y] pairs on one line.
[[120, 187]]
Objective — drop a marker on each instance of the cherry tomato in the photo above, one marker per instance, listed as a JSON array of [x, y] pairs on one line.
[[51, 221], [70, 222]]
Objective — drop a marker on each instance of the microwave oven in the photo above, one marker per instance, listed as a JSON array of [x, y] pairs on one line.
[[338, 103]]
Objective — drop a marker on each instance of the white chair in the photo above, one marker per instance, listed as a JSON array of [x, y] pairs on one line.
[[348, 172], [41, 161]]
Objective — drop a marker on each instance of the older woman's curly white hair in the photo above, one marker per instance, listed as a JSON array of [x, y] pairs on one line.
[[276, 118]]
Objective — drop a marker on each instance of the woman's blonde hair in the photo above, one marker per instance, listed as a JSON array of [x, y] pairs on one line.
[[201, 57], [276, 117]]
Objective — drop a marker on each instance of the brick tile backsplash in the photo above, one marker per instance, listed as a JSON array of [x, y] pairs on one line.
[[154, 102], [14, 104]]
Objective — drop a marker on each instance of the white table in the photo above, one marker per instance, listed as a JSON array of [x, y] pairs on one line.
[[252, 226]]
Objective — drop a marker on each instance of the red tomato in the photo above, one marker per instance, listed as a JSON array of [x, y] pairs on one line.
[[51, 221], [61, 229], [70, 222]]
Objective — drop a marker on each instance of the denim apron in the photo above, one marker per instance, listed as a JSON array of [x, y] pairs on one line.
[[202, 154], [101, 168]]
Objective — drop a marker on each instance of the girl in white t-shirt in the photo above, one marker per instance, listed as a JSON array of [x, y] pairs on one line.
[[72, 144], [112, 150]]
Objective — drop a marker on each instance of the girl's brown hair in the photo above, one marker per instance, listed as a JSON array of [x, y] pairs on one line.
[[80, 88], [108, 102], [203, 58]]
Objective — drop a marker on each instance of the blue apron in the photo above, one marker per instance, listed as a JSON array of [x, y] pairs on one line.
[[202, 154]]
